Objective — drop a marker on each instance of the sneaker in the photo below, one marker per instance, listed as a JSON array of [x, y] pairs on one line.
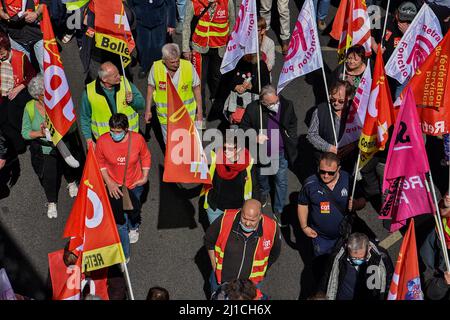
[[51, 210], [73, 189], [265, 200], [133, 235], [321, 24], [67, 37], [127, 260]]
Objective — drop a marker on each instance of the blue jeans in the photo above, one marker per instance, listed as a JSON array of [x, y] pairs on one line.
[[324, 5], [181, 5], [281, 184], [213, 214], [38, 51], [323, 246], [131, 222]]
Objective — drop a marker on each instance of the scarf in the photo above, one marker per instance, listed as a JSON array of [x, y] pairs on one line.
[[6, 76], [229, 171]]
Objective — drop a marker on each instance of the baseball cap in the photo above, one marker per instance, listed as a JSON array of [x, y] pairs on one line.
[[407, 11]]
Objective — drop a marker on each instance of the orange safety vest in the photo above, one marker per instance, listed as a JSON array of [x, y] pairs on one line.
[[66, 282], [263, 248], [213, 31]]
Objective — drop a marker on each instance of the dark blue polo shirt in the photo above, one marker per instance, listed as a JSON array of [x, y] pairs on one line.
[[323, 215]]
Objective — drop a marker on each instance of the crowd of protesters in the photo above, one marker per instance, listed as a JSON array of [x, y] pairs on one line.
[[241, 241]]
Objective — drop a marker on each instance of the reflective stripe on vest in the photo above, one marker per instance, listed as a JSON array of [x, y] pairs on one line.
[[101, 112], [262, 251], [248, 186], [184, 89], [212, 32], [446, 229]]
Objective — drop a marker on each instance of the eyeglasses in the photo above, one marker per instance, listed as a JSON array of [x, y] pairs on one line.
[[330, 173], [340, 101]]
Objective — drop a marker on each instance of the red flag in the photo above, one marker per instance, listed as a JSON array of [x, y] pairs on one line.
[[91, 221], [185, 161], [379, 115], [431, 87], [405, 283], [351, 26], [68, 282], [112, 30], [59, 108]]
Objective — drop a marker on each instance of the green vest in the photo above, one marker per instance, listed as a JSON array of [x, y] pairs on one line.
[[101, 112], [184, 89], [75, 5], [248, 187]]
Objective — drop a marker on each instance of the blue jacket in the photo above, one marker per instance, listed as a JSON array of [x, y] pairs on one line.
[[152, 13]]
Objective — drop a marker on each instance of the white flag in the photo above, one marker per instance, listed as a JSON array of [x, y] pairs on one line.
[[357, 112], [304, 55], [419, 40], [244, 38]]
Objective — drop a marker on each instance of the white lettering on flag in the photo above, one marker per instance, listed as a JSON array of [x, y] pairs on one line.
[[121, 20], [304, 55], [243, 39], [422, 36]]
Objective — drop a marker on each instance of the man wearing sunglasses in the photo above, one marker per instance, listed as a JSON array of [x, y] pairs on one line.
[[322, 204]]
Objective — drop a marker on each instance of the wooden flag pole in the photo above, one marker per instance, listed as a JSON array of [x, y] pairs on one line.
[[127, 280], [438, 220], [329, 106]]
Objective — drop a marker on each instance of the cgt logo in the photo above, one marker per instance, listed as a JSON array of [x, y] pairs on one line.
[[267, 244], [221, 13], [121, 160]]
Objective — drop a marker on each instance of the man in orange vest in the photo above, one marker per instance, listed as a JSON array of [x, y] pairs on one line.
[[242, 244], [210, 23]]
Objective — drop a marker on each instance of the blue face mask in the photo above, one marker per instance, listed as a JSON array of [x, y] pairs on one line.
[[117, 137], [357, 262], [245, 229]]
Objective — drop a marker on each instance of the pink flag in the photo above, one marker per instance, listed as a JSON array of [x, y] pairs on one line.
[[244, 38], [304, 55], [404, 183]]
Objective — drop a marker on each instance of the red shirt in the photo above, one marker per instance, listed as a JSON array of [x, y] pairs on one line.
[[112, 156]]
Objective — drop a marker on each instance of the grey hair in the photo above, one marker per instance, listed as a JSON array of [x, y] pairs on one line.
[[266, 90], [357, 241], [170, 51], [103, 70], [36, 86]]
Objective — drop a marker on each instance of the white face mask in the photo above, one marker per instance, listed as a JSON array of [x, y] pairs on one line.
[[274, 107]]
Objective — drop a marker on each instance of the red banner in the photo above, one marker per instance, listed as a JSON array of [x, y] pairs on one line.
[[91, 221], [60, 114]]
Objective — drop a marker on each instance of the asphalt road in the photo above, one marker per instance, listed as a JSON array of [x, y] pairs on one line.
[[170, 251]]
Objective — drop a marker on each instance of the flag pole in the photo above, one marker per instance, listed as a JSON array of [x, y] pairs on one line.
[[259, 76], [438, 220], [356, 174], [385, 22], [127, 280], [127, 89], [329, 106]]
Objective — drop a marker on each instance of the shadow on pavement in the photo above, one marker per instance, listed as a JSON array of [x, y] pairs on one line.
[[204, 265], [24, 278]]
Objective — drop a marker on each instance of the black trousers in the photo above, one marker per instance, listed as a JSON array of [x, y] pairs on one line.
[[50, 168], [149, 43], [211, 62]]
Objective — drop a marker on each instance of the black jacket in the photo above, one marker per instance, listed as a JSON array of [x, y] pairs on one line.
[[154, 13], [3, 148], [366, 274], [434, 285], [288, 125], [239, 250]]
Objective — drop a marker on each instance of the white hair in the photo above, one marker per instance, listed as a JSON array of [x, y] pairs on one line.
[[267, 90], [170, 51], [103, 70], [357, 241], [36, 86]]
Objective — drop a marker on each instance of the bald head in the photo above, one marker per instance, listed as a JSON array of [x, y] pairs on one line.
[[109, 74], [251, 214]]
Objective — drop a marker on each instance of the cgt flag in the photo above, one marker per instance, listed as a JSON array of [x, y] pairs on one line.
[[351, 26], [379, 116], [404, 183], [244, 37], [419, 40], [304, 54], [431, 87], [358, 110], [405, 284], [112, 30], [59, 110], [185, 160], [91, 221]]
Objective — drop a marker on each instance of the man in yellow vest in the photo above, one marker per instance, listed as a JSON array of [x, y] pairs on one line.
[[184, 78], [242, 244], [109, 94]]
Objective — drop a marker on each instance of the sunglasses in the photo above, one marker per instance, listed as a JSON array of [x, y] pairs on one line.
[[330, 173], [340, 101]]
